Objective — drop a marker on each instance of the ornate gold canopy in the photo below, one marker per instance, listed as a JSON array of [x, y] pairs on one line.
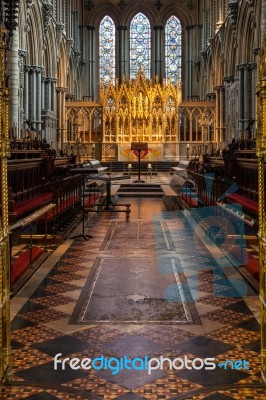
[[140, 110]]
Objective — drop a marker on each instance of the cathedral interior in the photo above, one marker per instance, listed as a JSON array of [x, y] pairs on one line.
[[132, 212]]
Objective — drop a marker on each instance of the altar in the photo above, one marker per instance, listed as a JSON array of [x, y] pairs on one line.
[[153, 153]]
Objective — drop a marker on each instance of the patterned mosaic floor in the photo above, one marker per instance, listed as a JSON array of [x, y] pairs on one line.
[[226, 329]]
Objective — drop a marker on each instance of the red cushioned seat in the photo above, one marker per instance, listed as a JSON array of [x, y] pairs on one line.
[[248, 260], [22, 263], [33, 203], [64, 205], [253, 266], [190, 201], [91, 200], [247, 204]]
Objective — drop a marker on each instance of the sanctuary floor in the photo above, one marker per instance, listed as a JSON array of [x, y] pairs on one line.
[[150, 287]]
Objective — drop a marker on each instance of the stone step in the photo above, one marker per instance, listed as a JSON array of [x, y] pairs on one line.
[[140, 194], [136, 189]]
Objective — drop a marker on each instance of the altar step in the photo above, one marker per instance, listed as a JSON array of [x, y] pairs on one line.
[[157, 166], [140, 190]]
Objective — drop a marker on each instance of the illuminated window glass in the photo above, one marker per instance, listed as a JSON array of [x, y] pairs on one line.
[[173, 40], [107, 49], [140, 45]]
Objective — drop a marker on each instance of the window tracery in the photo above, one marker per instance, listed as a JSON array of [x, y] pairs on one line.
[[107, 49], [140, 46], [173, 47]]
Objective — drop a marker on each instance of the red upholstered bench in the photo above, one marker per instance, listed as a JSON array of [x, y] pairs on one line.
[[253, 266], [32, 204], [91, 200], [248, 260], [22, 263], [64, 205], [190, 201], [247, 204]]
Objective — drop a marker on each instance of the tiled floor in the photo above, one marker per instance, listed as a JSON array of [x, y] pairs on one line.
[[148, 287]]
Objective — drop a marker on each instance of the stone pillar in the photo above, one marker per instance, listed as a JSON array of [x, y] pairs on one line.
[[122, 59], [246, 98], [52, 91], [61, 114], [26, 92], [217, 108], [91, 62], [32, 94], [22, 55], [158, 67], [189, 51], [13, 82], [263, 19], [241, 107], [38, 125]]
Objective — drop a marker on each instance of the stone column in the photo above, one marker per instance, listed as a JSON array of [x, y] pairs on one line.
[[189, 77], [26, 92], [13, 82], [22, 55], [52, 91], [39, 71], [263, 19], [91, 62], [158, 68], [122, 52], [242, 96], [61, 114], [32, 94], [222, 114], [251, 82], [246, 98], [218, 110]]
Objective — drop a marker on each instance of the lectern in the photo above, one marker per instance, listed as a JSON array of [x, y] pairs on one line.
[[139, 146]]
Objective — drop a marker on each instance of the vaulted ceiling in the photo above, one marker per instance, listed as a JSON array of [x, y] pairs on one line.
[[185, 9]]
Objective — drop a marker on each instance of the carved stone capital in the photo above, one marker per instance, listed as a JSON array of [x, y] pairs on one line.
[[59, 33], [229, 78], [60, 89], [33, 69], [47, 10], [69, 45], [29, 3], [22, 53], [233, 11]]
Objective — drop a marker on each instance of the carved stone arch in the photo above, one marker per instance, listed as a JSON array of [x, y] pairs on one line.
[[72, 115], [84, 116], [62, 66], [230, 51], [249, 42], [184, 15], [34, 37], [144, 9], [218, 62], [244, 28], [209, 75], [95, 16], [185, 112], [71, 77], [196, 112], [22, 25], [50, 54]]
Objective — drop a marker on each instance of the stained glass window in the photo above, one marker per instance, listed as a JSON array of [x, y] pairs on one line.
[[173, 39], [140, 45], [107, 49]]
